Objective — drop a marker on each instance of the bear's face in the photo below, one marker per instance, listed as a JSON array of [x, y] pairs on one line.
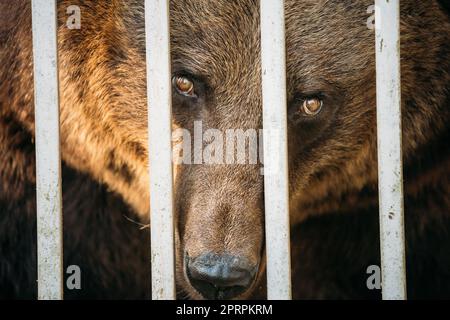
[[217, 85], [217, 80]]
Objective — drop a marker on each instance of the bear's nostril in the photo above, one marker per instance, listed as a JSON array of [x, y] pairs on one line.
[[220, 276]]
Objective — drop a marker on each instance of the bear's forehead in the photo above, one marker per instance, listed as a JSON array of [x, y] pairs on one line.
[[221, 38]]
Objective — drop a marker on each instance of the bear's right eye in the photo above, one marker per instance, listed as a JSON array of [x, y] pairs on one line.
[[184, 86]]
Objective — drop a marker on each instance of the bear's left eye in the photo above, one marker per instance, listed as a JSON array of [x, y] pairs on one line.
[[311, 106]]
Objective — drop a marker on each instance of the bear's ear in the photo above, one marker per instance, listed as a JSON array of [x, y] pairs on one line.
[[445, 4]]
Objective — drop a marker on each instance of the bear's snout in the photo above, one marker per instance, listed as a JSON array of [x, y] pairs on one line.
[[220, 276]]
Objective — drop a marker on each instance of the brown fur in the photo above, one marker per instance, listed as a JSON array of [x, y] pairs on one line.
[[333, 176]]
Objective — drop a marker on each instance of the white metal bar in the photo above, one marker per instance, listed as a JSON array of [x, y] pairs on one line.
[[276, 183], [390, 171], [48, 160], [160, 148]]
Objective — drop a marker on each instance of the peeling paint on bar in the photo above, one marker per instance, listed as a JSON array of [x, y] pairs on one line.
[[48, 159], [390, 171], [160, 149], [276, 184]]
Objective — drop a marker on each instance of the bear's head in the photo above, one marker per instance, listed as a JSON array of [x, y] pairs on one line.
[[217, 91]]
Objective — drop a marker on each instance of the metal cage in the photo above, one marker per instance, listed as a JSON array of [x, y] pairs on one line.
[[49, 208]]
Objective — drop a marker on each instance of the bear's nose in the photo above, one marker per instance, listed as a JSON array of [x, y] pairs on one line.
[[220, 276]]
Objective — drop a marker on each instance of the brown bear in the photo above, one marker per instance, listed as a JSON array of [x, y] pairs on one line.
[[219, 207]]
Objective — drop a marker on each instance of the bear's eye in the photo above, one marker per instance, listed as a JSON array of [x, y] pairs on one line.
[[311, 106], [184, 86]]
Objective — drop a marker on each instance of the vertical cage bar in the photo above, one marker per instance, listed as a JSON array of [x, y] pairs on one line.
[[48, 159], [276, 183], [160, 148], [390, 170]]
